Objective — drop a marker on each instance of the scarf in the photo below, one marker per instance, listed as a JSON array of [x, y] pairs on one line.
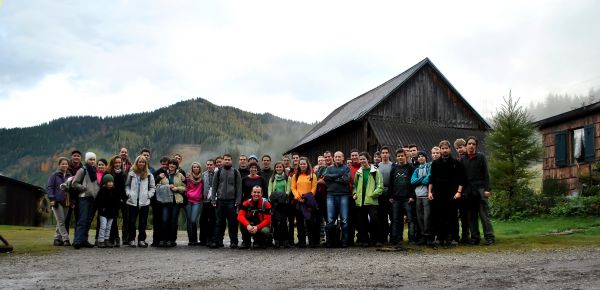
[[194, 178], [91, 170]]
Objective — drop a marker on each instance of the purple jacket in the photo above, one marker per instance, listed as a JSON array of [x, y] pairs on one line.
[[54, 192]]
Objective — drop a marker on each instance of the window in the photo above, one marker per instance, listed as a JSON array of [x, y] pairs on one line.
[[575, 146]]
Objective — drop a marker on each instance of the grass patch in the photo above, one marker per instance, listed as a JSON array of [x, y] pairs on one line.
[[541, 233], [29, 240]]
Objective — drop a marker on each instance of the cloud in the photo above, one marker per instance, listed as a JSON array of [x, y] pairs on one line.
[[298, 60]]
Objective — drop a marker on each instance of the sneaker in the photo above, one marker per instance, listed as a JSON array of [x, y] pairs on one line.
[[142, 244], [277, 245], [489, 242], [117, 243], [58, 243], [286, 244], [132, 244], [101, 245], [379, 244], [76, 245], [109, 244], [453, 243], [66, 243], [244, 246], [301, 245], [171, 244], [213, 245]]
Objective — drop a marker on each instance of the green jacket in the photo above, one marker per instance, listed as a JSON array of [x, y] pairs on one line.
[[272, 185], [374, 187]]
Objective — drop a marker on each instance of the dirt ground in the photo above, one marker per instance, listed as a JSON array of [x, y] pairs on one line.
[[201, 267]]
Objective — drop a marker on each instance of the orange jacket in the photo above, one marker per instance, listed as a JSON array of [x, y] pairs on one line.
[[304, 185]]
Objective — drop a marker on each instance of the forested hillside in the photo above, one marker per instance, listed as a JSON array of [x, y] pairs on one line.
[[195, 128]]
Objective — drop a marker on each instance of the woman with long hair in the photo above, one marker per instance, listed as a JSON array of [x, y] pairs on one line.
[[60, 201], [175, 181], [193, 209], [139, 188], [304, 187], [278, 193]]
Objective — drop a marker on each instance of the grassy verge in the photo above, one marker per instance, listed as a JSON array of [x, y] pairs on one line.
[[30, 240], [537, 233], [542, 233]]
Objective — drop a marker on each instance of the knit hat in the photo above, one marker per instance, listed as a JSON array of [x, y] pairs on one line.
[[252, 157], [89, 155], [106, 178]]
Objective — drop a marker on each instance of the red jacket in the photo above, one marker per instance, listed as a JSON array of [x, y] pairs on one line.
[[251, 210]]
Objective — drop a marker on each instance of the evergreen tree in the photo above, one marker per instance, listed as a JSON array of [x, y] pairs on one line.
[[512, 147]]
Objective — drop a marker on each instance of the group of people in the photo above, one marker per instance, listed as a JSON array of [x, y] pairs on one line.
[[363, 201]]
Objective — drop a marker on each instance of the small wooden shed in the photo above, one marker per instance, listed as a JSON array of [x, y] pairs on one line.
[[20, 203], [571, 144]]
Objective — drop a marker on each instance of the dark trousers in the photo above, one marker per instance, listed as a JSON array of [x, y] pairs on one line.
[[384, 214], [300, 225], [139, 215], [226, 212], [291, 219], [114, 229], [208, 223], [280, 226], [169, 213], [463, 213], [479, 210], [313, 228], [400, 208], [353, 219], [156, 222], [368, 225], [260, 237], [444, 216]]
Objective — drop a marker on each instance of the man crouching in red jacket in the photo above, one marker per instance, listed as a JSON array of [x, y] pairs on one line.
[[255, 218]]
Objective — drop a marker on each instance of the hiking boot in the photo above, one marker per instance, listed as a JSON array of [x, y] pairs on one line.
[[76, 245], [213, 245], [109, 244], [277, 245], [66, 243], [58, 243], [453, 243], [489, 242], [474, 242], [244, 246], [132, 244], [101, 245], [142, 244], [286, 244], [233, 246], [117, 243], [87, 244], [301, 245]]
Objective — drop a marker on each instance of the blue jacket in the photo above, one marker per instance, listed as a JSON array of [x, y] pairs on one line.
[[420, 179], [54, 192]]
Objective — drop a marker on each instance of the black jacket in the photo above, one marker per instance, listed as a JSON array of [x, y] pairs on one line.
[[338, 179], [400, 185], [476, 171], [107, 202], [446, 175]]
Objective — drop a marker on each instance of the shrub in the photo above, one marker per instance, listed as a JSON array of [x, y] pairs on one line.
[[523, 205], [578, 206]]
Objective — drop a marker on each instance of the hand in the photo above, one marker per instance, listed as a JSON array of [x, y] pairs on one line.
[[301, 200], [354, 196], [173, 188], [430, 196], [52, 203], [487, 194], [457, 195], [162, 175], [411, 200], [214, 204], [391, 200]]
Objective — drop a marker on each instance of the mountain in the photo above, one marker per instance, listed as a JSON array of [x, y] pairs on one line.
[[196, 128]]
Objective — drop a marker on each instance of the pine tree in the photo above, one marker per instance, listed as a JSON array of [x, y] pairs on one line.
[[512, 147]]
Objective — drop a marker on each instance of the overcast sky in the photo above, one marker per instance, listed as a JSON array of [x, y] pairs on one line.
[[296, 59]]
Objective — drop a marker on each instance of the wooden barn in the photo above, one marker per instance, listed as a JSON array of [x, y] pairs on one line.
[[570, 146], [20, 203], [417, 106]]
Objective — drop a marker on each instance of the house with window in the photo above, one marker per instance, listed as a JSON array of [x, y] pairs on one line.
[[570, 146]]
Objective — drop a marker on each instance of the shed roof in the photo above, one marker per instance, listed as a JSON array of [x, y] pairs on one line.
[[358, 107], [392, 133], [570, 115], [33, 188]]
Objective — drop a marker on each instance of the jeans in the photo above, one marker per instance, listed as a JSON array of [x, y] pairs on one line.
[[86, 214], [401, 207], [60, 211], [207, 223], [134, 212], [104, 231], [226, 211], [424, 217], [338, 205], [192, 213], [168, 222]]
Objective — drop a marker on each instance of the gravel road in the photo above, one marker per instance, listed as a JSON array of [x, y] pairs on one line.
[[200, 267]]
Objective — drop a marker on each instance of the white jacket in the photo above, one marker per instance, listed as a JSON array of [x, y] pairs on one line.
[[139, 191]]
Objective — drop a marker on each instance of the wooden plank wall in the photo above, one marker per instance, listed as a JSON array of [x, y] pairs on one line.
[[427, 99], [570, 173]]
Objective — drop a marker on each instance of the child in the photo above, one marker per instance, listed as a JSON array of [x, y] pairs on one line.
[[107, 203]]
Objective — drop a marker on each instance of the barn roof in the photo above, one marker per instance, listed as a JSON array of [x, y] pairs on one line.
[[392, 133], [31, 187], [358, 107]]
